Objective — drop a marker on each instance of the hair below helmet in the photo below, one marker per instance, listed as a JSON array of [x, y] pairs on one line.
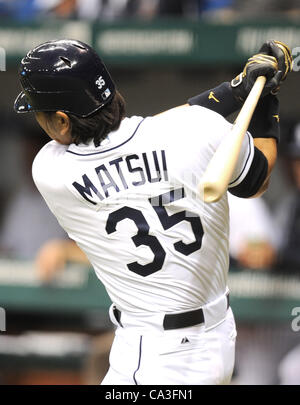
[[64, 75]]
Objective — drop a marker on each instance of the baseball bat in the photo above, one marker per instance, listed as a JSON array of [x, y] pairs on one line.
[[218, 173]]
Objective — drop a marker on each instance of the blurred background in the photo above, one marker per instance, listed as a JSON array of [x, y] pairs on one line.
[[54, 326]]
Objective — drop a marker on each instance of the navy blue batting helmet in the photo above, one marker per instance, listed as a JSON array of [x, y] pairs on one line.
[[64, 75]]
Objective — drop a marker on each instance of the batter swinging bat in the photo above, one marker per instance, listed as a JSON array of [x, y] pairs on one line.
[[218, 173]]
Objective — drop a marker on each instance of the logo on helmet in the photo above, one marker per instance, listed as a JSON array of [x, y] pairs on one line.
[[100, 82], [106, 94]]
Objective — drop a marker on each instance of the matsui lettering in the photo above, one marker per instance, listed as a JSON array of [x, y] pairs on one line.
[[123, 173]]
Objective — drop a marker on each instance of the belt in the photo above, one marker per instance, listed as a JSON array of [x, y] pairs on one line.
[[176, 321]]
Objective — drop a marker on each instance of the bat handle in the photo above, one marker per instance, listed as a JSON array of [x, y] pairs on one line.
[[243, 119], [216, 178]]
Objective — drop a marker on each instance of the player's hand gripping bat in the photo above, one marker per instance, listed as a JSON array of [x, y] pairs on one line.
[[215, 180]]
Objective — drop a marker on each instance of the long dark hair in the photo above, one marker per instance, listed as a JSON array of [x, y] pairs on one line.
[[99, 124]]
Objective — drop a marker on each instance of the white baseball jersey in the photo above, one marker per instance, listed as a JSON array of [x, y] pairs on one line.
[[132, 206]]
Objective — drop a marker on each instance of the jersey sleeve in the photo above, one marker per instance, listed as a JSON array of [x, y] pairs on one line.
[[214, 128], [48, 177], [217, 128], [244, 161]]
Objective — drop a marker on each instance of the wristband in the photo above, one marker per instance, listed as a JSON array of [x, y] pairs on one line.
[[220, 99], [265, 120]]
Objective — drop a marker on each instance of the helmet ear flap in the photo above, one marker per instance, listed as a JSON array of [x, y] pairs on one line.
[[21, 104]]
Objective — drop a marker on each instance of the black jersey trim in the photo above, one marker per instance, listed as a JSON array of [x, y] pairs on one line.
[[139, 362], [108, 150], [255, 177], [245, 165]]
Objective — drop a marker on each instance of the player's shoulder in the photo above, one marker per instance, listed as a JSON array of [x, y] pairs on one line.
[[187, 114], [51, 148], [46, 162]]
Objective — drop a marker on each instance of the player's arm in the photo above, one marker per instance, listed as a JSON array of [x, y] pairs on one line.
[[274, 62], [265, 130], [228, 97], [264, 126], [268, 147], [54, 255]]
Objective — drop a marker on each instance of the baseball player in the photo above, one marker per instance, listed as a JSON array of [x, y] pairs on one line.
[[125, 189]]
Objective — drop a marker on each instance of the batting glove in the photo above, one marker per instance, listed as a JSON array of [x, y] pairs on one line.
[[274, 61], [284, 58], [257, 65]]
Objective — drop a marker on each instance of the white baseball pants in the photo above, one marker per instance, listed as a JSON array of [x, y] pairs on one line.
[[194, 355]]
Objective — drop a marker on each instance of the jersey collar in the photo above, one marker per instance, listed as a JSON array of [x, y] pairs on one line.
[[114, 139]]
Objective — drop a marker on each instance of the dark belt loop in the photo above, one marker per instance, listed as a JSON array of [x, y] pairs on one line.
[[117, 315], [175, 321]]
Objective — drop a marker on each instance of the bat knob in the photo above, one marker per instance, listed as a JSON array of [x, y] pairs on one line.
[[209, 193]]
